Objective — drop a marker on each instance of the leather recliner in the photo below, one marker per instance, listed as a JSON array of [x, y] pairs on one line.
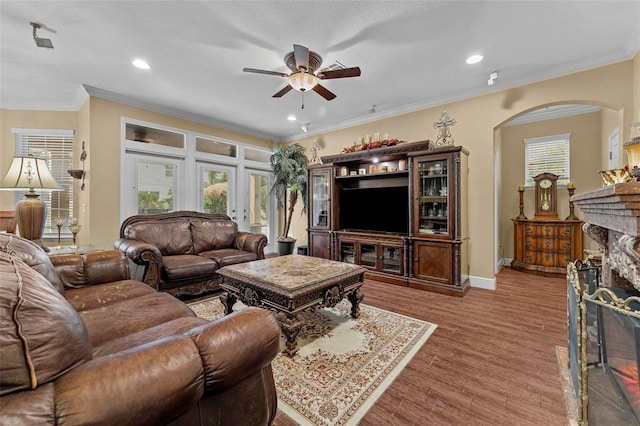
[[81, 343]]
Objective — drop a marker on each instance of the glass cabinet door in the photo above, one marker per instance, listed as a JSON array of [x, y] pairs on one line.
[[392, 259], [433, 201], [320, 201], [368, 255], [347, 251]]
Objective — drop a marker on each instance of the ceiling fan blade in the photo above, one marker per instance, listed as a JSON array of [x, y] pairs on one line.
[[324, 92], [284, 91], [301, 54], [347, 72], [257, 71]]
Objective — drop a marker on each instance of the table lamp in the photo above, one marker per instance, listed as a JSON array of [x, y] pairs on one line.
[[31, 213]]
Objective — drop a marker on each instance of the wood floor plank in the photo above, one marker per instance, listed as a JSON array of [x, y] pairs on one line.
[[491, 361]]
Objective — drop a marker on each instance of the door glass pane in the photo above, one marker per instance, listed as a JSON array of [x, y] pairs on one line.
[[215, 191], [259, 204], [433, 206], [391, 258], [156, 186], [368, 255]]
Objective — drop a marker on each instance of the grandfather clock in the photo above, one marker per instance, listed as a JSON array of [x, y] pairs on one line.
[[545, 244], [546, 196]]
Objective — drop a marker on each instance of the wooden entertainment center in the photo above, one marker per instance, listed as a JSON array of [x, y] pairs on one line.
[[400, 211]]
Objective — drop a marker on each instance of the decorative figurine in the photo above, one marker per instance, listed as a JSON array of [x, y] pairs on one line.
[[444, 135]]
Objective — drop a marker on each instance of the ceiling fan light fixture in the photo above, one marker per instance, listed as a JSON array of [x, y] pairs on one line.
[[302, 81]]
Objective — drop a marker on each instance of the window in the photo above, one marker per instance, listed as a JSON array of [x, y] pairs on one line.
[[56, 148], [547, 154]]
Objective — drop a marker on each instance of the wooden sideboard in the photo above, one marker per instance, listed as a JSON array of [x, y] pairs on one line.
[[546, 246]]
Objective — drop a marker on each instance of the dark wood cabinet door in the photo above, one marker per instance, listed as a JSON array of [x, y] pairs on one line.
[[320, 244], [433, 261]]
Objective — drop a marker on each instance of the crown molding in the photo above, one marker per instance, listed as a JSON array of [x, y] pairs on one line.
[[174, 112], [551, 112]]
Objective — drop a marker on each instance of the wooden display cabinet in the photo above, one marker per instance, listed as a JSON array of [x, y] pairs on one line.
[[399, 211], [439, 230], [383, 255], [320, 211]]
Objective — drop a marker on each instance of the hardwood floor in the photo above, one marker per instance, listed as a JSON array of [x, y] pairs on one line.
[[491, 361]]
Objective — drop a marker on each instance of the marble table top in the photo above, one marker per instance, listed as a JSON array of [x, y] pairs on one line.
[[292, 272]]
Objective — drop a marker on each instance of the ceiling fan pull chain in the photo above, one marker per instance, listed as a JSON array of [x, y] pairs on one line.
[[302, 100]]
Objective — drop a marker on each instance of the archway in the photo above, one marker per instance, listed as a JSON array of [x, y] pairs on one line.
[[590, 125]]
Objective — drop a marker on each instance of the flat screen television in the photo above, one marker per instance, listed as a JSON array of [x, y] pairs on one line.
[[375, 209]]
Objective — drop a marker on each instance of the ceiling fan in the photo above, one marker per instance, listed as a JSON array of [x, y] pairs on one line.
[[304, 76]]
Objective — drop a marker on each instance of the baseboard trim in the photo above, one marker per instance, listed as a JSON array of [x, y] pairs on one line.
[[484, 283]]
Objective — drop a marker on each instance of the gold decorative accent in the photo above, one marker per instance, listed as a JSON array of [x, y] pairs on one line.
[[614, 176]]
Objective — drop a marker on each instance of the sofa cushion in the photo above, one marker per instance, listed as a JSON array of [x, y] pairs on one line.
[[169, 236], [33, 255], [230, 256], [212, 234], [41, 335], [132, 315], [95, 296], [187, 266], [176, 326]]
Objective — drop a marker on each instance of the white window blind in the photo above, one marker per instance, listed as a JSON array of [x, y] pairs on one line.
[[548, 154], [56, 148]]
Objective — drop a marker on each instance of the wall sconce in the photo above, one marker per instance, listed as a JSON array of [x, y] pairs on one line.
[[80, 174]]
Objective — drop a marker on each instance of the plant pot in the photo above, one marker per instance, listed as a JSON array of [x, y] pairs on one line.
[[285, 247]]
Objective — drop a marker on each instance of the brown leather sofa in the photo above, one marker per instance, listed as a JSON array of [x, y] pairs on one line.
[[80, 343], [180, 252]]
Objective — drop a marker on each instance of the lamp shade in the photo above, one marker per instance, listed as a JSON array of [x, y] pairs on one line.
[[28, 173]]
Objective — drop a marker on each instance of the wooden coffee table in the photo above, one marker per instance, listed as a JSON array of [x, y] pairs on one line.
[[290, 284]]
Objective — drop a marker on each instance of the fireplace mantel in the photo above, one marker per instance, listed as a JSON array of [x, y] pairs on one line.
[[612, 219]]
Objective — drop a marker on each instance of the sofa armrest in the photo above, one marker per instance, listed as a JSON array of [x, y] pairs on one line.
[[145, 258], [80, 270], [236, 346], [176, 370], [251, 242], [150, 384]]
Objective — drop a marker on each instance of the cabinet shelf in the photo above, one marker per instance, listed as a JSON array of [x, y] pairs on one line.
[[434, 199], [374, 175]]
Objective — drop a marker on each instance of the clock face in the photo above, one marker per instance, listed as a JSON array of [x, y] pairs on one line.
[[545, 183]]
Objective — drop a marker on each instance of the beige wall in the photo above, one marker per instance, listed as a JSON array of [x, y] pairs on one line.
[[586, 159], [98, 124], [10, 119], [636, 87], [477, 119]]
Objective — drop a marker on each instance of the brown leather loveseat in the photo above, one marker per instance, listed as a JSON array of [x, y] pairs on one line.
[[80, 343], [180, 252]]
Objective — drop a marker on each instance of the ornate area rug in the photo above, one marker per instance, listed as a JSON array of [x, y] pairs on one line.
[[343, 364]]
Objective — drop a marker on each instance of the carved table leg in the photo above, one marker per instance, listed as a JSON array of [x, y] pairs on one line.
[[228, 300], [290, 328], [355, 297]]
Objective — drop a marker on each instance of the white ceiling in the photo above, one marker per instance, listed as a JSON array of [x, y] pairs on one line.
[[412, 54]]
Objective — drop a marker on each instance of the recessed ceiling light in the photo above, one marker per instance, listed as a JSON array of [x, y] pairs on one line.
[[291, 117], [141, 64], [474, 59]]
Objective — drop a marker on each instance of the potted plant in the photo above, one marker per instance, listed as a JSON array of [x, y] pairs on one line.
[[289, 165]]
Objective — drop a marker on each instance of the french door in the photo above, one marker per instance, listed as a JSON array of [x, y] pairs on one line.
[[257, 212], [217, 189], [151, 184]]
